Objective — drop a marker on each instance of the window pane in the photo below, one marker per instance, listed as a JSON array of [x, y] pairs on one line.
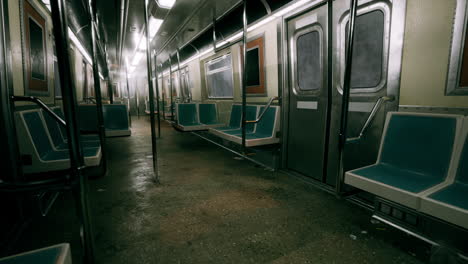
[[309, 74], [219, 78], [368, 54], [253, 67]]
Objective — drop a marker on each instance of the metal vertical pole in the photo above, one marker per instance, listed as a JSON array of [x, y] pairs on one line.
[[60, 27], [171, 85], [12, 162], [97, 86], [179, 75], [157, 93], [346, 93], [163, 93], [151, 95], [244, 75], [137, 99], [128, 95]]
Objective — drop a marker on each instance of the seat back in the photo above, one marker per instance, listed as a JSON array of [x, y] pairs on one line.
[[115, 116], [266, 125], [53, 128], [37, 131], [187, 114], [251, 114], [236, 113], [462, 171], [421, 143], [207, 113], [87, 117]]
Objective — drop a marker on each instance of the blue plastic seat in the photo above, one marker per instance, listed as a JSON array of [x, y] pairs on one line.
[[250, 113], [208, 115], [450, 202], [265, 127], [187, 117], [415, 155], [57, 254], [85, 137], [234, 120], [58, 140], [36, 143], [116, 120]]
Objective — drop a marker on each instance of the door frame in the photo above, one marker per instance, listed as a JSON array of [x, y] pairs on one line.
[[284, 73]]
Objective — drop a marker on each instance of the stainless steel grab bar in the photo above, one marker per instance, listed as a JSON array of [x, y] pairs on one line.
[[264, 111], [40, 103], [371, 116]]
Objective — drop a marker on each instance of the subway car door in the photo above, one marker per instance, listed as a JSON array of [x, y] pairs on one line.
[[375, 73], [307, 92]]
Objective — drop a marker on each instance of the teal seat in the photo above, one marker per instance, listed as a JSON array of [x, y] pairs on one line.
[[415, 155], [58, 140], [58, 254], [42, 143], [234, 120], [451, 201], [251, 114], [208, 114], [87, 118], [63, 132], [115, 117], [36, 143], [187, 115], [266, 125]]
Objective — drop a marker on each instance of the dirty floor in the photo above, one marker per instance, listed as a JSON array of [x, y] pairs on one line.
[[212, 208]]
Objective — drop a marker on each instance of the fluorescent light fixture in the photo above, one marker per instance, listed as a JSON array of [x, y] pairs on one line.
[[142, 45], [102, 77], [166, 3], [290, 8], [154, 25], [137, 58], [131, 69], [80, 47], [261, 23]]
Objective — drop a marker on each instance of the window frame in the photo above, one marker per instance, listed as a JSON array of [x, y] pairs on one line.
[[295, 81], [258, 42], [456, 50], [385, 9], [211, 61]]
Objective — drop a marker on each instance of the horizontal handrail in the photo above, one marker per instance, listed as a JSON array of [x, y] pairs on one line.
[[371, 116], [264, 111], [40, 103]]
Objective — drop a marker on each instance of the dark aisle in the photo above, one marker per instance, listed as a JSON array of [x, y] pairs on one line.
[[212, 208]]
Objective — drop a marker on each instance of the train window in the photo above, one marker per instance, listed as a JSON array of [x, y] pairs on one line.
[[219, 81], [368, 50], [457, 77], [309, 61], [185, 83], [255, 67]]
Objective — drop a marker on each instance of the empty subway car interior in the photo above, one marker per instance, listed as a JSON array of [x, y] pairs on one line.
[[235, 131]]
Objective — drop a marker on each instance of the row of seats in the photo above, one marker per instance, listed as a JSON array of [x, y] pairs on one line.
[[43, 142], [257, 134], [196, 116], [422, 164], [116, 121], [167, 108]]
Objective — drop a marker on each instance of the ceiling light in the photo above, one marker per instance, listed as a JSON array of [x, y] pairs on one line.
[[80, 47], [154, 25], [166, 3], [290, 8]]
